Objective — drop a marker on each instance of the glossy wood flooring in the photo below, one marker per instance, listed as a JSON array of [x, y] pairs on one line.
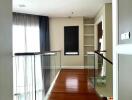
[[74, 85]]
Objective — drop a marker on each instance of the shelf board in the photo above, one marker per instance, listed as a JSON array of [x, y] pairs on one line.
[[90, 53], [85, 55], [88, 34], [88, 45], [88, 24]]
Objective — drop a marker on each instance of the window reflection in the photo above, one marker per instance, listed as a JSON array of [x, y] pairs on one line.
[[72, 84]]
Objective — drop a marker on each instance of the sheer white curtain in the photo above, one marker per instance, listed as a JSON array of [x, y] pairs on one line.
[[25, 33], [26, 39]]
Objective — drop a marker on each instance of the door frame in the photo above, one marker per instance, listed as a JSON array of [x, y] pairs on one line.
[[115, 44]]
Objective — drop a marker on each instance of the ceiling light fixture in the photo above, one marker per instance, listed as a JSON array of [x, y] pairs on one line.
[[72, 13]]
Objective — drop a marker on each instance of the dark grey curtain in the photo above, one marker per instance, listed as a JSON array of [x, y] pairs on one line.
[[44, 34], [45, 46]]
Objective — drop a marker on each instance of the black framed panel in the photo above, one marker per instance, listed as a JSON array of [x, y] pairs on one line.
[[71, 40]]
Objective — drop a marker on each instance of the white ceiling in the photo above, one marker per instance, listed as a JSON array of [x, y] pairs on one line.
[[59, 8]]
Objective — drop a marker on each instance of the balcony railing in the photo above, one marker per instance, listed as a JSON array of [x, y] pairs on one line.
[[101, 73], [34, 73]]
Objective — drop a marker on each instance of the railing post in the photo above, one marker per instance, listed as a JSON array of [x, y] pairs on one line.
[[34, 77]]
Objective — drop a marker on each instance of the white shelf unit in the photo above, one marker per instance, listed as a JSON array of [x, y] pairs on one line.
[[88, 45], [88, 24], [88, 40], [88, 34]]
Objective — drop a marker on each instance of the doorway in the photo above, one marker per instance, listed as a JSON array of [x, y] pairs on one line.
[[100, 35], [100, 48]]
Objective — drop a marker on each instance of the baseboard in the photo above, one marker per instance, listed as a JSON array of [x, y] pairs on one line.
[[72, 67], [90, 67]]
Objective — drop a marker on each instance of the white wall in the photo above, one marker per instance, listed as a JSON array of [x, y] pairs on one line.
[[100, 17], [105, 15], [57, 40], [108, 30], [6, 73]]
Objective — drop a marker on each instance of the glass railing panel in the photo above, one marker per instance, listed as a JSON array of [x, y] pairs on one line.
[[100, 73], [91, 66], [103, 76], [23, 73], [34, 73], [50, 62], [39, 95]]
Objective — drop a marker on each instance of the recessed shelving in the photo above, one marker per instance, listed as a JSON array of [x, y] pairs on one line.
[[88, 45], [88, 40], [88, 34]]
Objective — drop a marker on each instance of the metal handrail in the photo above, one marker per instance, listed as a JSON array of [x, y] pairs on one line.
[[33, 54], [46, 53], [97, 52], [25, 53]]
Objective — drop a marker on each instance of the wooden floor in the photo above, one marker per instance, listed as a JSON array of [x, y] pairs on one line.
[[73, 85]]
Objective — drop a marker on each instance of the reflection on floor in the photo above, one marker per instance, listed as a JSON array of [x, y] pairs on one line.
[[73, 85]]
